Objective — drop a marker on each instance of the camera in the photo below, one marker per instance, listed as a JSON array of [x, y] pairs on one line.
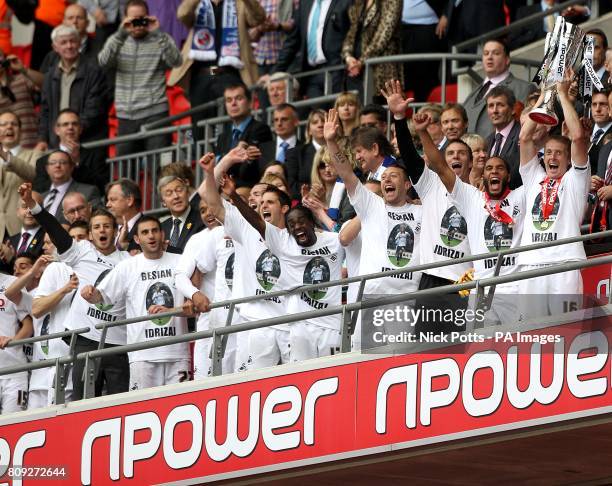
[[140, 22], [5, 63]]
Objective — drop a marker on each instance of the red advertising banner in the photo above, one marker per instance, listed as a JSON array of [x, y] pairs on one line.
[[507, 381]]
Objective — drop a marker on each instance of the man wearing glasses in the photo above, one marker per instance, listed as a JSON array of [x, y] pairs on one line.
[[184, 220], [59, 169]]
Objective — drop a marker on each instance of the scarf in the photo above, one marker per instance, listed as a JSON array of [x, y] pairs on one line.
[[548, 199], [204, 35], [494, 208]]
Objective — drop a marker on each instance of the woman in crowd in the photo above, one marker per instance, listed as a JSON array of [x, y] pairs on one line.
[[349, 108], [479, 157]]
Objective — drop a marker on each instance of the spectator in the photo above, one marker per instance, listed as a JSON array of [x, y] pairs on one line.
[[601, 187], [348, 107], [276, 181], [141, 55], [184, 220], [30, 237], [503, 141], [373, 152], [76, 208], [48, 15], [454, 123], [16, 165], [286, 123], [270, 34], [75, 16], [74, 83], [214, 65], [470, 18], [323, 178], [124, 200], [479, 155], [435, 127], [373, 115], [599, 55], [79, 230], [315, 43], [277, 169], [422, 30], [373, 32], [495, 61], [539, 28], [607, 79], [60, 167], [299, 159], [18, 86], [244, 129], [602, 126], [90, 164], [282, 88], [107, 14]]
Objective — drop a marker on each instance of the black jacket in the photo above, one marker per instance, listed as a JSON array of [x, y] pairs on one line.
[[255, 133], [294, 50], [510, 153], [595, 149], [89, 97], [193, 224], [36, 245], [298, 163], [92, 169]]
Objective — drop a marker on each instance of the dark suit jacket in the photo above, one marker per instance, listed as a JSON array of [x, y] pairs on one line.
[[92, 169], [132, 245], [595, 149], [294, 51], [193, 224], [255, 133], [298, 163], [90, 192], [36, 245], [472, 18], [602, 165], [510, 153], [89, 97]]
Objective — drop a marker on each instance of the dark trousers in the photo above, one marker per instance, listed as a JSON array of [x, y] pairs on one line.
[[422, 76], [439, 303], [42, 43], [206, 87], [113, 371], [127, 127], [314, 86]]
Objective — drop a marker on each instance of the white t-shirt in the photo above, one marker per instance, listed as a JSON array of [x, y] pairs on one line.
[[91, 267], [10, 318], [353, 258], [260, 269], [565, 218], [486, 233], [391, 240], [140, 282], [444, 235], [321, 262]]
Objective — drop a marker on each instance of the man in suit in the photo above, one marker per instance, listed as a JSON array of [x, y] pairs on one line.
[[495, 62], [16, 166], [246, 130], [184, 220], [599, 55], [76, 208], [470, 18], [76, 83], [503, 142], [124, 200], [60, 168], [90, 164], [286, 122], [454, 123], [602, 126], [601, 189], [316, 42]]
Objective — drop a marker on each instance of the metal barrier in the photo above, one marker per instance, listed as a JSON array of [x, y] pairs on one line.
[[348, 320]]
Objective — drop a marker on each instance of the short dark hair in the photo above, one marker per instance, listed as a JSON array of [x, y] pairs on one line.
[[11, 112], [236, 85], [136, 3], [373, 109], [284, 199], [81, 224], [395, 165], [128, 188], [601, 34], [27, 254], [146, 219], [279, 164], [605, 92], [101, 212], [61, 152], [458, 107], [67, 110], [285, 106], [304, 210], [461, 142], [366, 137], [501, 41], [506, 163], [499, 91]]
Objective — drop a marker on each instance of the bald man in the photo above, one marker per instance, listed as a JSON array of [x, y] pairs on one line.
[[76, 207]]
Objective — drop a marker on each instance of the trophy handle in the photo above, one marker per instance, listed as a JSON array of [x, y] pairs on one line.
[[545, 114]]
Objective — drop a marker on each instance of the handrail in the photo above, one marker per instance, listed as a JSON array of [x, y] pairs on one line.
[[192, 111], [134, 136], [48, 337], [501, 31]]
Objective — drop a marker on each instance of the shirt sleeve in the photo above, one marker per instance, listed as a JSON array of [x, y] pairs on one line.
[[74, 254], [276, 239], [532, 172], [363, 202], [235, 225], [185, 268], [112, 287], [425, 182]]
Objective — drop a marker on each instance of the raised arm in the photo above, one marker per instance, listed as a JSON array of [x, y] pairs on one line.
[[208, 190], [59, 236], [527, 146], [350, 231], [13, 292], [25, 331], [398, 104], [437, 163], [339, 159], [254, 219], [45, 304], [580, 144]]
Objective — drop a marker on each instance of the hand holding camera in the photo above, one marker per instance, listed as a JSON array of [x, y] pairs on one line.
[[149, 23]]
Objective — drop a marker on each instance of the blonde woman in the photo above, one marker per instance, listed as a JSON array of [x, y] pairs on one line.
[[479, 157], [348, 107]]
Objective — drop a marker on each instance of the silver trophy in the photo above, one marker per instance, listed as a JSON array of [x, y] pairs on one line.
[[564, 46]]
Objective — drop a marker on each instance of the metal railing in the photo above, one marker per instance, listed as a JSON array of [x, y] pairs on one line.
[[349, 315]]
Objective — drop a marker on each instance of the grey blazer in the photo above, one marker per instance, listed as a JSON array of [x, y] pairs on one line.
[[91, 193]]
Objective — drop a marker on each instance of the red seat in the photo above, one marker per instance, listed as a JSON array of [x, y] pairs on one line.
[[435, 96]]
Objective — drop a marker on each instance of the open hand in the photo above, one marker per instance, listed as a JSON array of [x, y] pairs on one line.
[[331, 126], [396, 99]]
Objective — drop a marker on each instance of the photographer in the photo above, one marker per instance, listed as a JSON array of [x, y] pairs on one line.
[[141, 55]]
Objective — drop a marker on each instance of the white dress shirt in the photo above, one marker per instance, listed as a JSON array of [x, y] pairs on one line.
[[62, 189]]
